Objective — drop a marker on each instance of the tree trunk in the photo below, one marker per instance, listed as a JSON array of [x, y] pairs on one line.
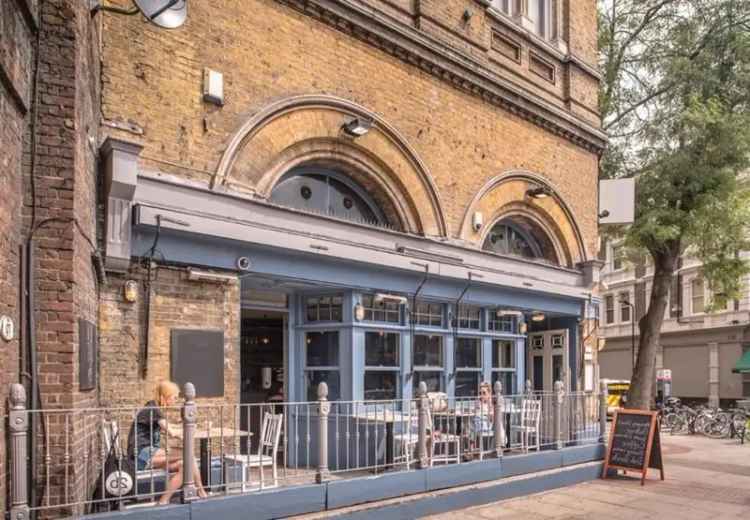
[[642, 386]]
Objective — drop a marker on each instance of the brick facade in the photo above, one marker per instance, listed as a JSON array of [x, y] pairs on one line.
[[468, 112], [17, 25]]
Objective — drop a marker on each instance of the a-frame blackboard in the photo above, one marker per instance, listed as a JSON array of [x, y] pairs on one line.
[[634, 443]]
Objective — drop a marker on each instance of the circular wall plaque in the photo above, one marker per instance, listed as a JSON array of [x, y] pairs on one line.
[[7, 328]]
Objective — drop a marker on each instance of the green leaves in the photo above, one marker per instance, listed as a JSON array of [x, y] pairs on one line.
[[676, 102]]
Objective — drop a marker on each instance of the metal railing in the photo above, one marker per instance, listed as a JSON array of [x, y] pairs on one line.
[[106, 458]]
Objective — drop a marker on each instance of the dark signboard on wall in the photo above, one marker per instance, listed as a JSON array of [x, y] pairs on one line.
[[197, 356], [88, 362]]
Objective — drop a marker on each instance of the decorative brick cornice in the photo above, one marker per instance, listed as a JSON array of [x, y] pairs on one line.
[[450, 65]]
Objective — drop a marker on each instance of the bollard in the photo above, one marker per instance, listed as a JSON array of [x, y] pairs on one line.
[[324, 408], [603, 397], [557, 409], [499, 420], [19, 428], [189, 420], [528, 389], [423, 404]]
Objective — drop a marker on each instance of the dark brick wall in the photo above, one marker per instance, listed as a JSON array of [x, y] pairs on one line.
[[16, 64]]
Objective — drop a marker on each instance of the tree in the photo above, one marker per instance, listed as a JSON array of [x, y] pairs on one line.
[[675, 100]]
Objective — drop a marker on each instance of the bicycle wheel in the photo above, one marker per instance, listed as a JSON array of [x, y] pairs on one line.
[[669, 421]]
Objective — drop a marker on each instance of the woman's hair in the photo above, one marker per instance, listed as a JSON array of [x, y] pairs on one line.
[[165, 389], [486, 385]]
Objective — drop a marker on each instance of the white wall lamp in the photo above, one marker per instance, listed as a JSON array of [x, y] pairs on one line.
[[197, 275], [357, 127], [538, 316], [390, 298]]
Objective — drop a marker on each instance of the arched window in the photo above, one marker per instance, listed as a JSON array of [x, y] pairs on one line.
[[520, 236], [325, 191]]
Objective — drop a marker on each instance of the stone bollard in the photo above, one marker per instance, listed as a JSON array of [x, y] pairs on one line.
[[189, 420], [603, 398], [423, 404], [324, 408], [499, 420], [557, 407], [19, 427]]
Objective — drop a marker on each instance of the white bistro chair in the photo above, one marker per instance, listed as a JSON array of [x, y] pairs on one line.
[[268, 446], [529, 424]]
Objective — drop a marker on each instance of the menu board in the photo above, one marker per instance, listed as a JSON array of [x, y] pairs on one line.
[[634, 443]]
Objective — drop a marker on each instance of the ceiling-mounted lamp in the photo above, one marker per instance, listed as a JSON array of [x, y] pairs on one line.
[[538, 316], [540, 192], [357, 127]]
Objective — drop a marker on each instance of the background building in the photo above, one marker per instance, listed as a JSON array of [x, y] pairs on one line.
[[701, 349]]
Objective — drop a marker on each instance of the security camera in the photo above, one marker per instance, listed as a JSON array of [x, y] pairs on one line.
[[477, 221], [243, 263]]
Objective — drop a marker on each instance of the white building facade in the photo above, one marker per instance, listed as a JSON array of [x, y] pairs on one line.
[[700, 348]]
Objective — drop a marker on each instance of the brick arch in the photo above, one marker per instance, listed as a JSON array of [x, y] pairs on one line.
[[307, 130], [505, 196]]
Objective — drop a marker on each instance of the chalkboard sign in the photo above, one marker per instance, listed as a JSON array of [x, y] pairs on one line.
[[634, 443]]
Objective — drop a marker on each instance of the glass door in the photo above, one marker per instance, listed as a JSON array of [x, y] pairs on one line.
[[548, 359]]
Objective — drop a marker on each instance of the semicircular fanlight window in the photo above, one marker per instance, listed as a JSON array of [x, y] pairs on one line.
[[326, 193]]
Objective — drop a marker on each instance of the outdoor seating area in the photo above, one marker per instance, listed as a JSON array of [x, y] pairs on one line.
[[247, 448]]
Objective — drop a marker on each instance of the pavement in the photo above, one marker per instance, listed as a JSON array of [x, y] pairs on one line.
[[704, 478]]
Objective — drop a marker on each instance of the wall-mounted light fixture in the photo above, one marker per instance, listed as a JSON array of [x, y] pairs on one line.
[[390, 298], [197, 275], [357, 127], [130, 291], [540, 192], [501, 313], [538, 316]]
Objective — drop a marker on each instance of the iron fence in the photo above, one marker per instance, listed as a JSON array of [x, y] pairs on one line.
[[105, 458]]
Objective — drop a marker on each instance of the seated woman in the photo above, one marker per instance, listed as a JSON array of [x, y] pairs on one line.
[[483, 422], [149, 429]]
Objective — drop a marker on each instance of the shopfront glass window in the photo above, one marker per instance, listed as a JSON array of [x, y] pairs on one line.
[[382, 365], [428, 362], [389, 312], [469, 317], [468, 353], [322, 349], [381, 349], [501, 323], [429, 314], [467, 384], [504, 365], [322, 363], [468, 359], [324, 308]]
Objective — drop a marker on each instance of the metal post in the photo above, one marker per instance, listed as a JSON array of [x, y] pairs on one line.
[[189, 420], [324, 407], [19, 427], [499, 419], [603, 397], [423, 404], [529, 389], [557, 407]]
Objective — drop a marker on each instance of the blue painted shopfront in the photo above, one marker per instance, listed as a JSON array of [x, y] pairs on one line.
[[307, 276]]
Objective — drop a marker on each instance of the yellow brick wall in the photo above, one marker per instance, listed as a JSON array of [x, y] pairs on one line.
[[268, 51]]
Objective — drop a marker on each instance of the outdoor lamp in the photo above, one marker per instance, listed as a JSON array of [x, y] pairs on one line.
[[130, 291], [540, 192], [357, 127], [537, 316]]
